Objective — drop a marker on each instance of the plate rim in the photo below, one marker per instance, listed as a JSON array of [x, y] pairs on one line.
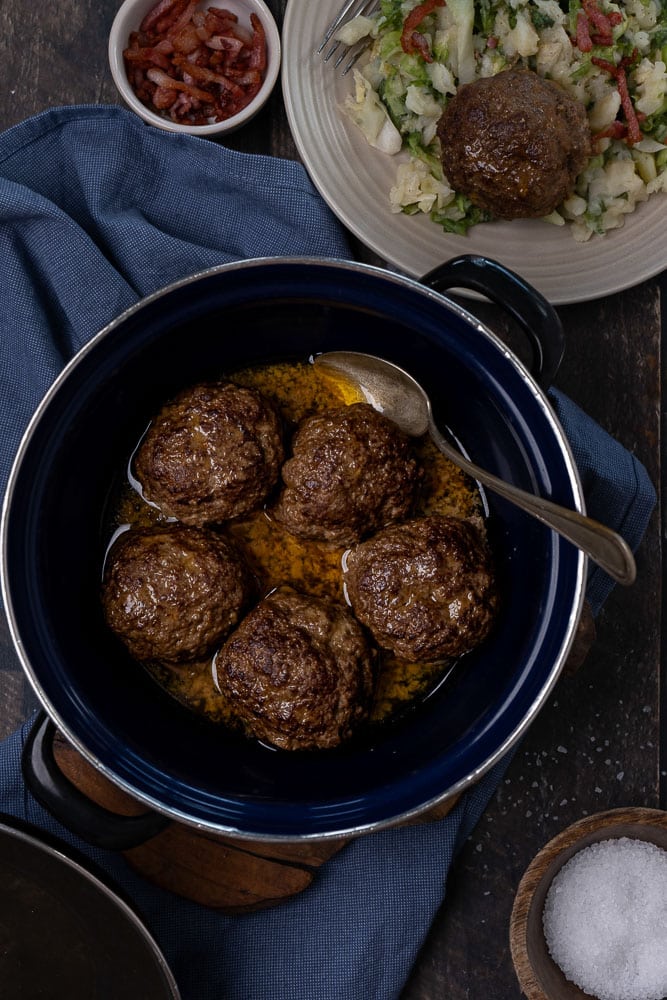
[[635, 255]]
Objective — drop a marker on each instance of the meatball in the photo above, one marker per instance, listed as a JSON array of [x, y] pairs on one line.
[[352, 471], [514, 143], [425, 589], [298, 672], [172, 593], [212, 454]]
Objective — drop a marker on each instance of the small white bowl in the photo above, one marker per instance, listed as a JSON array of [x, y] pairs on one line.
[[129, 17]]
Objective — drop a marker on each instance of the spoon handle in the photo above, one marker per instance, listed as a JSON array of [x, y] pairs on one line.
[[604, 546]]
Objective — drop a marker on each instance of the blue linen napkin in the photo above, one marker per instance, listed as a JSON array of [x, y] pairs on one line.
[[96, 211]]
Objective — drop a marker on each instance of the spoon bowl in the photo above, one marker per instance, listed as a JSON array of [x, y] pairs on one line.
[[395, 393]]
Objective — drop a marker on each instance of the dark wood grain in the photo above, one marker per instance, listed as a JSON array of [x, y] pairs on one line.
[[596, 743]]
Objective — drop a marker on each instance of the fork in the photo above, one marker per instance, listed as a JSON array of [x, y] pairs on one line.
[[349, 10]]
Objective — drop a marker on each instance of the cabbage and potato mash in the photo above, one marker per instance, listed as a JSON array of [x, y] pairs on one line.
[[610, 56]]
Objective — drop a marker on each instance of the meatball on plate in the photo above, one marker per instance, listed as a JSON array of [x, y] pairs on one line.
[[212, 454], [352, 471], [172, 593], [298, 671], [425, 589], [514, 143]]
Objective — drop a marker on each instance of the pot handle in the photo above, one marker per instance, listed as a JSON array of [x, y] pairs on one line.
[[535, 315], [87, 819]]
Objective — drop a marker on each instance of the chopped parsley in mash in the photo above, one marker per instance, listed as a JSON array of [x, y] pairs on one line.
[[610, 55]]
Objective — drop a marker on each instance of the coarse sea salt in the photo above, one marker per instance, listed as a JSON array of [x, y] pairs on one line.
[[605, 920]]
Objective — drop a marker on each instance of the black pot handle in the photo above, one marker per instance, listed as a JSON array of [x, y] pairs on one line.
[[534, 314], [70, 806]]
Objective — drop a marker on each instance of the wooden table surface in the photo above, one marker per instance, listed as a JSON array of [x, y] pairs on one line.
[[597, 744]]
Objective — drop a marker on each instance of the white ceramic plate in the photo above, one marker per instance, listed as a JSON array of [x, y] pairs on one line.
[[355, 179]]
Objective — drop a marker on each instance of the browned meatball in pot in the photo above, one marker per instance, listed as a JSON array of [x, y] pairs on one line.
[[298, 672], [514, 143], [172, 593], [212, 454], [425, 589], [352, 471]]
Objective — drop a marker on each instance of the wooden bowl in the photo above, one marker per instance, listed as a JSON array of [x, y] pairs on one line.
[[539, 976]]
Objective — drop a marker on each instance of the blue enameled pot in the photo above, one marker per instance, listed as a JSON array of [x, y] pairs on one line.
[[181, 766]]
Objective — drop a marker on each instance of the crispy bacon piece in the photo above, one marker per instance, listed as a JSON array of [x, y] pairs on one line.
[[584, 40], [224, 43], [155, 13], [600, 23], [257, 59], [412, 41], [185, 40], [182, 20], [165, 14], [617, 130], [169, 83], [633, 131], [147, 56], [196, 66], [205, 75], [594, 27]]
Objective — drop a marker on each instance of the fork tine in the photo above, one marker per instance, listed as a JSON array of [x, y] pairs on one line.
[[352, 8], [354, 56], [347, 10], [334, 48]]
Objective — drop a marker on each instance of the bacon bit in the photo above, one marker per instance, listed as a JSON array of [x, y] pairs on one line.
[[412, 41], [172, 20], [155, 13], [617, 130], [186, 40], [196, 66], [164, 97], [147, 56], [633, 134], [166, 82], [491, 42], [604, 64], [183, 20], [257, 59], [223, 43], [594, 27], [584, 42], [222, 15], [634, 131], [202, 74], [219, 21], [600, 22], [419, 44]]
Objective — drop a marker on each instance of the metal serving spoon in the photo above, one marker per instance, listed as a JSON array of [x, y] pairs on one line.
[[395, 393]]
